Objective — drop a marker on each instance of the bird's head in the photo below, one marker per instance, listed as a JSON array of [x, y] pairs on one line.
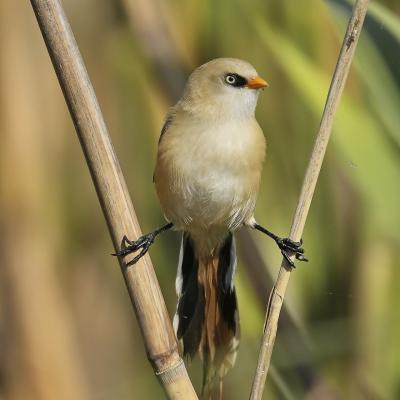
[[224, 87]]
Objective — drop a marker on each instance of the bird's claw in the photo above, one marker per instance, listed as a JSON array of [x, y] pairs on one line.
[[289, 247], [128, 246]]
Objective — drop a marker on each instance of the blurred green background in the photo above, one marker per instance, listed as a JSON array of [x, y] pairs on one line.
[[67, 329]]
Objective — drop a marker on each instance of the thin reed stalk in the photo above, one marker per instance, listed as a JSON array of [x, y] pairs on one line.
[[310, 180], [112, 192]]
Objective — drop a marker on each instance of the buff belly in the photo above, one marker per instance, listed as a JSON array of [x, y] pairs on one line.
[[206, 202]]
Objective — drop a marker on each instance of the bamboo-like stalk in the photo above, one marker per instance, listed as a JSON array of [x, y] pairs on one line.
[[112, 192], [310, 180]]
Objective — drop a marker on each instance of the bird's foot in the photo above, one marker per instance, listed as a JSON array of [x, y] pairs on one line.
[[143, 244], [289, 247], [128, 246]]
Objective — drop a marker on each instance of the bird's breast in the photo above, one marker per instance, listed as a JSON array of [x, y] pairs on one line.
[[207, 176]]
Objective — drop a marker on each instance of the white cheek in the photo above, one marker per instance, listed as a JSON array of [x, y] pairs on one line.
[[239, 102]]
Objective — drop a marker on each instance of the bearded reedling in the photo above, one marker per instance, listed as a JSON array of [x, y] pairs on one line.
[[207, 176]]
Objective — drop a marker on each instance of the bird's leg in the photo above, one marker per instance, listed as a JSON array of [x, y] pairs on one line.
[[286, 245], [143, 244]]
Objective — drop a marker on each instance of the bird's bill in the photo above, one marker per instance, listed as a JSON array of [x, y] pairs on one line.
[[257, 83]]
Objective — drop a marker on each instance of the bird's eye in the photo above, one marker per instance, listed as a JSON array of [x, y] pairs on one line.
[[235, 80], [230, 79]]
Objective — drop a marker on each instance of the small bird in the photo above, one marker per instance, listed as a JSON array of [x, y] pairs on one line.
[[207, 176]]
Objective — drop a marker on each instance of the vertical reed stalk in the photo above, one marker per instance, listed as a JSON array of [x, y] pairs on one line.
[[310, 180], [113, 195]]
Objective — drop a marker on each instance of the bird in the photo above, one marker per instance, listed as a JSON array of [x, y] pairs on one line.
[[207, 176]]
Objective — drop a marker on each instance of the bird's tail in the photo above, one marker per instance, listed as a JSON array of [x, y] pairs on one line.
[[206, 319]]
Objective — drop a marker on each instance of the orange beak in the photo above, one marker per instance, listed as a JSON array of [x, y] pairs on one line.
[[257, 83]]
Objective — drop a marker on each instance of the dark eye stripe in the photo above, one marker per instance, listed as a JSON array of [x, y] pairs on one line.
[[239, 80]]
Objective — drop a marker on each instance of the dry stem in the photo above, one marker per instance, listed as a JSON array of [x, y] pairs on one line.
[[308, 187], [113, 195]]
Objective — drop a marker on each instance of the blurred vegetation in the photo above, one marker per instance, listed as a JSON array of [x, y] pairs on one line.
[[66, 325]]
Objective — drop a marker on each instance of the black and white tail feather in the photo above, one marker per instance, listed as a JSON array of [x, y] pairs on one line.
[[207, 320]]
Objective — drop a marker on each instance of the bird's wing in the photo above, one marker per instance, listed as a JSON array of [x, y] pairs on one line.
[[167, 124]]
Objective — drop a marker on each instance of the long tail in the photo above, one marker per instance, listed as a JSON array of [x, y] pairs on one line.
[[206, 319]]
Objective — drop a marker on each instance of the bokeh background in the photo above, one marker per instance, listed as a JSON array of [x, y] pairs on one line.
[[67, 330]]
